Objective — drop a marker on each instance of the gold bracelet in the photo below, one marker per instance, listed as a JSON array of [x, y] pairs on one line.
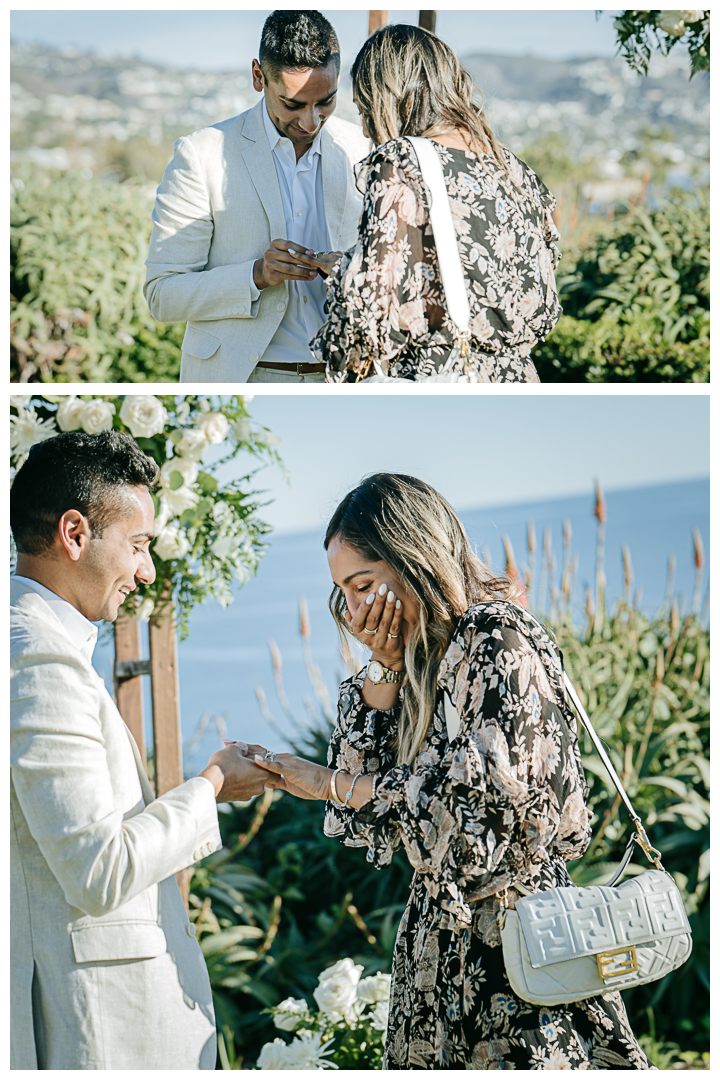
[[333, 787]]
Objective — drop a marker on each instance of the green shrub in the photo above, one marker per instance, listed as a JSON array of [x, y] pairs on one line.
[[77, 254], [615, 349], [636, 300]]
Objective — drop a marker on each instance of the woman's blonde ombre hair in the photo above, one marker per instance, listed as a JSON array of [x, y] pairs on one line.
[[406, 81], [405, 523]]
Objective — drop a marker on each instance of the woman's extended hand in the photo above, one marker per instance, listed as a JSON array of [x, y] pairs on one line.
[[302, 778], [376, 624]]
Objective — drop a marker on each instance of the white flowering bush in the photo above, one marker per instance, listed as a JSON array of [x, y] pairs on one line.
[[347, 1031], [206, 535]]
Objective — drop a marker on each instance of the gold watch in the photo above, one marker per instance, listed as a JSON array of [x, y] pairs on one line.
[[377, 674]]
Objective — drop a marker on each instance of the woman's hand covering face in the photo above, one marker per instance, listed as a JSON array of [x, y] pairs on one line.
[[381, 613]]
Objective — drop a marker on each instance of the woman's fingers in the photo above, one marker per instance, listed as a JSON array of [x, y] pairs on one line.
[[270, 766], [396, 621]]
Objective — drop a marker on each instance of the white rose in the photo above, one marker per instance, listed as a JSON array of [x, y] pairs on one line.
[[215, 426], [263, 437], [182, 412], [337, 993], [179, 497], [21, 401], [171, 543], [97, 416], [672, 23], [691, 16], [290, 1014], [242, 430], [145, 609], [193, 444], [28, 429], [69, 414], [379, 1017], [223, 546], [374, 988], [144, 415], [163, 515], [246, 398], [221, 511], [274, 1056], [307, 1052]]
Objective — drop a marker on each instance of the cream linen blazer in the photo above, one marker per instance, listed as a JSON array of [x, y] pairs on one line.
[[106, 972], [217, 209]]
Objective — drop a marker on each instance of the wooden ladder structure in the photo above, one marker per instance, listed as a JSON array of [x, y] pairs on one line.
[[378, 19], [162, 667]]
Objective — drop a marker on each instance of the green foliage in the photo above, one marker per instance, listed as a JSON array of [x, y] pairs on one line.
[[638, 31], [645, 682], [614, 349], [636, 300], [78, 248]]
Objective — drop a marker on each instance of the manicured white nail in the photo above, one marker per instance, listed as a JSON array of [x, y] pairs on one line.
[[370, 598], [382, 590], [398, 604], [391, 597]]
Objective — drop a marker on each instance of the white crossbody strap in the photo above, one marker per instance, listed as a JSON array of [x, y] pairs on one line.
[[443, 228]]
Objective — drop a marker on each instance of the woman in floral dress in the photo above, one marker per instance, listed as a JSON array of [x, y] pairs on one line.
[[386, 303], [457, 744]]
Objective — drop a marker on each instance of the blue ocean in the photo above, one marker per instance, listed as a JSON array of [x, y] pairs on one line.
[[227, 657]]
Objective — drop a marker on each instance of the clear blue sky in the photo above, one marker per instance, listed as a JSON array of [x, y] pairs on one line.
[[225, 40], [479, 451]]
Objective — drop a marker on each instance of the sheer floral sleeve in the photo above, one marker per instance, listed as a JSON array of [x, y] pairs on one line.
[[375, 296], [362, 743], [504, 801]]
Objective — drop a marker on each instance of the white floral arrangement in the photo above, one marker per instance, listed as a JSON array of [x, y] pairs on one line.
[[346, 1031], [207, 536]]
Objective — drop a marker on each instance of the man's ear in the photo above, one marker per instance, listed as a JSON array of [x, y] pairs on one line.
[[257, 76], [74, 534]]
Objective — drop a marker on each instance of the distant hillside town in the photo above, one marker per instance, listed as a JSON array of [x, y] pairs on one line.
[[120, 116]]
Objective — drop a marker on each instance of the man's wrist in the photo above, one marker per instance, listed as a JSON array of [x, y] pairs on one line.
[[216, 776], [258, 278]]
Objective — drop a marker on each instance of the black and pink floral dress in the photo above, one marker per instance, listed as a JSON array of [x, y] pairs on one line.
[[501, 802], [381, 292]]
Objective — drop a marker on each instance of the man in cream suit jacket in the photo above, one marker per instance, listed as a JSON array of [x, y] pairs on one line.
[[105, 969], [240, 204]]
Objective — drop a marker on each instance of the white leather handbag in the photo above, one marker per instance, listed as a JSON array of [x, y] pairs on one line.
[[570, 943], [459, 367]]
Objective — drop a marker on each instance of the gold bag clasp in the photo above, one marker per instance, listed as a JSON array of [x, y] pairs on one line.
[[617, 962]]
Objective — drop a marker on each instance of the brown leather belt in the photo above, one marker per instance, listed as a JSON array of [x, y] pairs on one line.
[[297, 369]]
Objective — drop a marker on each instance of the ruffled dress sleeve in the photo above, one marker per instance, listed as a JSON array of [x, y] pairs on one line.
[[362, 743], [507, 796], [375, 294]]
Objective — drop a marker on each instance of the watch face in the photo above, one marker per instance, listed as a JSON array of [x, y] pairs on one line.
[[374, 671]]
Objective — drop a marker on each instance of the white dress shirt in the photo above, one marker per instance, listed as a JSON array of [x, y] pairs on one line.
[[302, 198], [80, 630]]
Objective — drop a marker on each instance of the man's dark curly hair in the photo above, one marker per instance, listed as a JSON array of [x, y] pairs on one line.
[[297, 39], [75, 471]]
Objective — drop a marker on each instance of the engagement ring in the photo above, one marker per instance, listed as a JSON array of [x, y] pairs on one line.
[[269, 755]]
